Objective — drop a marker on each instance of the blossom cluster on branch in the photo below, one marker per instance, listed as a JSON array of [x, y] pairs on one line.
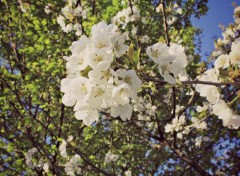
[[171, 60], [226, 68], [69, 18], [92, 85]]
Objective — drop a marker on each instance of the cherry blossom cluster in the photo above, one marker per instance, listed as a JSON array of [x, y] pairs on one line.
[[225, 58], [200, 139], [63, 146], [92, 85], [130, 15], [230, 119], [179, 124], [230, 34], [171, 60], [175, 11], [145, 112], [237, 15], [128, 173], [29, 155], [176, 125], [24, 6], [126, 16], [209, 91], [68, 20], [110, 157], [144, 108], [73, 166], [202, 108], [39, 164], [219, 106]]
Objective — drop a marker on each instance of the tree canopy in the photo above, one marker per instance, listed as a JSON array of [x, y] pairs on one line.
[[145, 102]]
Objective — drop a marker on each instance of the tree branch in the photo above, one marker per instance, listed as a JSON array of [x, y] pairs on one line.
[[217, 84], [192, 163], [165, 22]]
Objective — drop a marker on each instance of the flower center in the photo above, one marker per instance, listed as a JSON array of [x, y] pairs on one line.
[[98, 58]]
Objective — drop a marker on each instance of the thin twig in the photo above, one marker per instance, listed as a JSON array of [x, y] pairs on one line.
[[217, 84], [165, 22]]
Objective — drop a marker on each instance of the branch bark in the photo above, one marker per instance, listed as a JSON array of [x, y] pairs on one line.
[[192, 163], [217, 84], [165, 22]]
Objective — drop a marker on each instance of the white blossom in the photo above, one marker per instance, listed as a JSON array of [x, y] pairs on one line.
[[171, 60], [126, 15], [121, 94], [177, 9], [202, 108], [209, 91], [60, 21], [29, 155], [234, 55], [233, 122], [87, 115], [46, 167], [80, 45], [176, 125], [63, 149], [179, 135], [67, 20], [159, 53], [139, 105], [237, 14], [98, 57], [100, 97], [145, 39], [198, 141], [119, 47], [128, 173], [70, 138], [75, 88], [47, 8], [221, 62], [110, 157], [202, 125], [92, 85], [103, 75], [171, 20], [124, 111], [129, 77], [73, 166]]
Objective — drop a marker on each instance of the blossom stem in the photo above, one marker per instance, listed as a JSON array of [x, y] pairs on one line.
[[234, 100]]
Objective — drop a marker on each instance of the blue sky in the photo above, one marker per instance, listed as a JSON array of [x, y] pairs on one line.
[[220, 12]]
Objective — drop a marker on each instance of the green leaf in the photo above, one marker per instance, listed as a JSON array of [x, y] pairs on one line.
[[130, 51], [136, 56], [27, 121], [47, 41], [44, 22]]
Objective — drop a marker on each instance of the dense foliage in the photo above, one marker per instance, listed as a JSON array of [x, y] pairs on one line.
[[169, 125]]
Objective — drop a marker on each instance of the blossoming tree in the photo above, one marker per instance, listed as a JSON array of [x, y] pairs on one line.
[[116, 88]]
